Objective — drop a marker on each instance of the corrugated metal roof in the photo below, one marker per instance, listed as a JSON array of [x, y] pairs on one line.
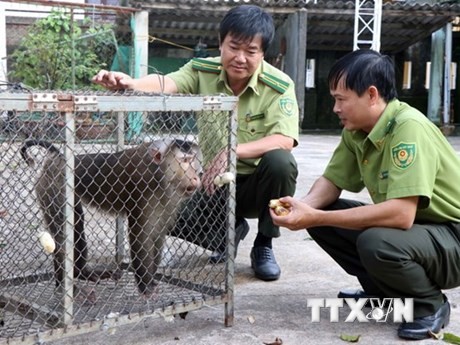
[[330, 24]]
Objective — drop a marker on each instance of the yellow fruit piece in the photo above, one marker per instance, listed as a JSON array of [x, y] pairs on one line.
[[281, 209], [47, 242]]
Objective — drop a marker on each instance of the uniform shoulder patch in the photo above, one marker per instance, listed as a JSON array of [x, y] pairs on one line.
[[206, 65], [403, 154], [275, 83], [287, 106]]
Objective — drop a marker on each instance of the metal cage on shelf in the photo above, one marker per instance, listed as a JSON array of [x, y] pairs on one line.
[[135, 258]]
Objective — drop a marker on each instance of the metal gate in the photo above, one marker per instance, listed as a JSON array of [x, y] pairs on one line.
[[36, 305]]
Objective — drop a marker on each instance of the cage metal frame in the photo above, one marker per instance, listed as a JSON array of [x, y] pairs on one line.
[[69, 104]]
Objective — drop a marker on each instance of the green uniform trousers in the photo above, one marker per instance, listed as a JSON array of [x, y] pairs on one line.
[[203, 218], [415, 263]]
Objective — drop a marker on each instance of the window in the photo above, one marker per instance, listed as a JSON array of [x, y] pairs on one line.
[[407, 75], [427, 75], [310, 74], [453, 75]]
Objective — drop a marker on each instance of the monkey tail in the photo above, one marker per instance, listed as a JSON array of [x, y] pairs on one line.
[[47, 145]]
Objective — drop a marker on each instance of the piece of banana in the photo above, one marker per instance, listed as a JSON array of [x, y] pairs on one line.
[[281, 209], [47, 241], [224, 178]]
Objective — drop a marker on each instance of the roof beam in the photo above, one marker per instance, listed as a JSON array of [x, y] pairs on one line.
[[119, 9], [158, 7]]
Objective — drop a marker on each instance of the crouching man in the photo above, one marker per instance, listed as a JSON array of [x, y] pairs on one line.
[[407, 243]]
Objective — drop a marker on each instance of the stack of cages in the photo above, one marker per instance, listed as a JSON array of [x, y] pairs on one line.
[[106, 222]]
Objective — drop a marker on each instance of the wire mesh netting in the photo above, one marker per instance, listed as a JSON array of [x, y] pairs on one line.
[[103, 216]]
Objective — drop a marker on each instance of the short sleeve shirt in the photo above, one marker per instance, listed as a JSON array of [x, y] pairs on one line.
[[266, 106], [404, 155]]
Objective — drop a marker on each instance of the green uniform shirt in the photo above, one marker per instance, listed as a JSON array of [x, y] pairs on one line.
[[404, 155], [266, 106]]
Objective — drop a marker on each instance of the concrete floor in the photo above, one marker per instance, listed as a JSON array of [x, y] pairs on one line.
[[265, 311]]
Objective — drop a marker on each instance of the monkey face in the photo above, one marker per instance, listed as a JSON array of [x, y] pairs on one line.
[[185, 168], [180, 164]]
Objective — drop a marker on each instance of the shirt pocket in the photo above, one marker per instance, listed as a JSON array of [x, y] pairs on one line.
[[253, 126]]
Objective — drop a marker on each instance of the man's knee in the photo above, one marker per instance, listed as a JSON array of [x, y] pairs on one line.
[[376, 247], [317, 233], [279, 163]]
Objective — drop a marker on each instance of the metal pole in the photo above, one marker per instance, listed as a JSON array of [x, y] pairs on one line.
[[356, 26], [368, 20], [3, 62], [69, 153], [447, 66], [230, 268], [436, 76], [377, 25], [72, 36], [139, 63], [119, 227]]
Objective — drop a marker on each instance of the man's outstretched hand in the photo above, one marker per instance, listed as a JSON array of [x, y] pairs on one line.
[[113, 80]]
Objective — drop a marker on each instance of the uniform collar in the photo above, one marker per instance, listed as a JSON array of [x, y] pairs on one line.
[[384, 125], [253, 81]]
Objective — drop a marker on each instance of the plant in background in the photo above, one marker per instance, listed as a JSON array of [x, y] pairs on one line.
[[56, 55]]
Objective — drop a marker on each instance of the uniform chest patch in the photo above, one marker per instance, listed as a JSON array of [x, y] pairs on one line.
[[286, 106], [403, 155]]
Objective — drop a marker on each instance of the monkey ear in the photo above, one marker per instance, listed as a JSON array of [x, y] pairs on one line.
[[157, 150], [157, 156]]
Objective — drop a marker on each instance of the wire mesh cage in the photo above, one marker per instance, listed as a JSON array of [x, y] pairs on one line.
[[103, 216]]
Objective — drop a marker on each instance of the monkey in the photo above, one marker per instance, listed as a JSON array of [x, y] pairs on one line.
[[146, 184]]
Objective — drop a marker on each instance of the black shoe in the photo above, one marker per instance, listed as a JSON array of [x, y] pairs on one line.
[[241, 230], [357, 294], [352, 293], [421, 326], [264, 264]]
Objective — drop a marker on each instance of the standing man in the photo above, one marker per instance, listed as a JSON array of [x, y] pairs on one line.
[[267, 128], [406, 244]]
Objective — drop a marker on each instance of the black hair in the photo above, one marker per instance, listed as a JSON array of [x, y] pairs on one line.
[[244, 22], [362, 69]]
